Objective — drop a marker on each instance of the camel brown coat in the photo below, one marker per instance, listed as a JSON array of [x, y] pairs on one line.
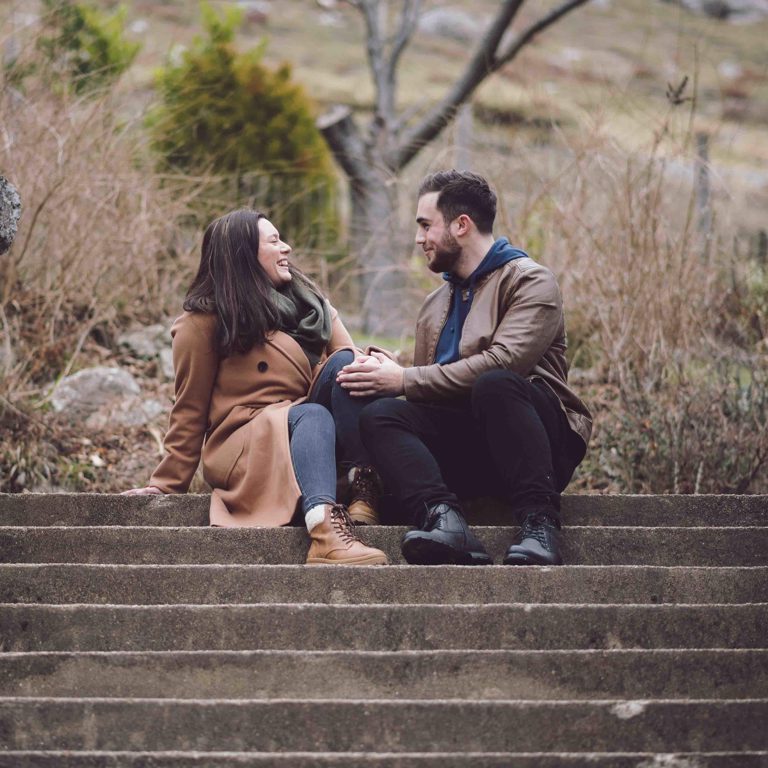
[[233, 412]]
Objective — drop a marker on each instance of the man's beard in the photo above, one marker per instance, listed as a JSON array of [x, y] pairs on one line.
[[445, 255]]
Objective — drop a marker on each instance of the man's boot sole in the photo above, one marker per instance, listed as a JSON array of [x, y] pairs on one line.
[[422, 550], [520, 558]]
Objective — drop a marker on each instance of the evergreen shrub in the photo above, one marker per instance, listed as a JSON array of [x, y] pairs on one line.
[[85, 46], [248, 130]]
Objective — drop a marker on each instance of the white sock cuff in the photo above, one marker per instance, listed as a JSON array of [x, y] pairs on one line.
[[315, 516]]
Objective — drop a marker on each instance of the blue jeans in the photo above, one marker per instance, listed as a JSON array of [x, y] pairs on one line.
[[324, 429], [313, 453], [345, 410]]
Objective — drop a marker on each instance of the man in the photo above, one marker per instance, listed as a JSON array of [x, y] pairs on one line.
[[487, 408]]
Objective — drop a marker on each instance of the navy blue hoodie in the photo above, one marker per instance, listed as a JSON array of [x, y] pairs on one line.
[[499, 254]]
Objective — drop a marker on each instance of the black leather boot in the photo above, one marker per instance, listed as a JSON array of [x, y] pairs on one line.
[[537, 543], [443, 538]]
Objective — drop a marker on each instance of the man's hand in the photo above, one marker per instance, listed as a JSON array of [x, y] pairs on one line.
[[372, 375]]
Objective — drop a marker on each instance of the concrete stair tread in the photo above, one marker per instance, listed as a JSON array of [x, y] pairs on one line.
[[455, 674], [192, 510], [457, 726], [608, 545], [216, 583], [132, 634], [33, 627], [91, 759]]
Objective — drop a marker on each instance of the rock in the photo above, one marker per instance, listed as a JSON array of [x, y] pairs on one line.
[[452, 23], [331, 19], [139, 27], [146, 341], [743, 11], [132, 411], [730, 70], [102, 397], [166, 363], [255, 11], [88, 390], [10, 212]]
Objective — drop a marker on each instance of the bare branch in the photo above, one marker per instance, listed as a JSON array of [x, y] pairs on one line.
[[375, 47], [477, 70], [408, 19], [485, 61], [527, 35]]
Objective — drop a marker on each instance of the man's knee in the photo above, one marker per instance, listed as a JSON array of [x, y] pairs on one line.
[[492, 386], [382, 412]]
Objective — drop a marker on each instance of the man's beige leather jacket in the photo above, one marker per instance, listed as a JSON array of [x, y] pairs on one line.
[[515, 322]]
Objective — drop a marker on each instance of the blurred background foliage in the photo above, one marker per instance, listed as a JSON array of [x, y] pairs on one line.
[[248, 128], [122, 153]]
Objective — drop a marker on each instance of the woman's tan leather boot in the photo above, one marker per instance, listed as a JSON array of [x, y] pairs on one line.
[[334, 542], [364, 492]]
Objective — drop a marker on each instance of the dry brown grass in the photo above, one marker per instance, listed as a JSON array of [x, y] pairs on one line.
[[98, 236], [667, 323]]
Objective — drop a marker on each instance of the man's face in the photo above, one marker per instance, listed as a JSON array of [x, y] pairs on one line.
[[434, 235]]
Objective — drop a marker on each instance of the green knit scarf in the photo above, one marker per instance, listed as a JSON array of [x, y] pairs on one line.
[[304, 316]]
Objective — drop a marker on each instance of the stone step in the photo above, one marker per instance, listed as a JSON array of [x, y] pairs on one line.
[[608, 545], [379, 627], [384, 726], [378, 760], [381, 675], [192, 510], [216, 584]]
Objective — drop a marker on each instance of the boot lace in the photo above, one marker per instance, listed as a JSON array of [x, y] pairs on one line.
[[365, 486], [343, 524], [535, 527]]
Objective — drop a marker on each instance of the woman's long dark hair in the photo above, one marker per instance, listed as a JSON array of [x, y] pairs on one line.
[[231, 283]]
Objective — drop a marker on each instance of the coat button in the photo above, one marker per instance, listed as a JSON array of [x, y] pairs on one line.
[[262, 366]]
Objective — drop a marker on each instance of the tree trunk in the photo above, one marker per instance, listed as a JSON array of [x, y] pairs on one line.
[[373, 227], [374, 235]]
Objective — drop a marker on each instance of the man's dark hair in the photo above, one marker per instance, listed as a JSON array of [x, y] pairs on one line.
[[462, 192]]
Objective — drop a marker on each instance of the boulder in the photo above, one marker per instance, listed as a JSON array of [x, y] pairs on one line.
[[100, 397], [10, 212], [88, 390], [130, 411], [146, 341], [255, 11], [732, 10], [453, 23], [166, 363]]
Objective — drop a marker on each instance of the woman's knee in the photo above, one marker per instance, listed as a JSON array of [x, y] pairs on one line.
[[311, 416], [337, 361]]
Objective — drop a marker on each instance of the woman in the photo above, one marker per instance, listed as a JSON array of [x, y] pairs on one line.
[[255, 346]]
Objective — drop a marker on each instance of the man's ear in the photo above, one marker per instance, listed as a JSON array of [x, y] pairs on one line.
[[463, 224]]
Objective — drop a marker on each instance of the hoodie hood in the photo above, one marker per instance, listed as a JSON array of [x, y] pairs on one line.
[[499, 254]]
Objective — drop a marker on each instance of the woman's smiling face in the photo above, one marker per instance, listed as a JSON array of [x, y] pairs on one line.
[[273, 254]]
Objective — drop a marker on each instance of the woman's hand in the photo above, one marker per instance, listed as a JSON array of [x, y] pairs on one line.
[[147, 490], [361, 359]]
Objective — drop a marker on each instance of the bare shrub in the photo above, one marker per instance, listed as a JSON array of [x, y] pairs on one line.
[[98, 237], [679, 406]]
